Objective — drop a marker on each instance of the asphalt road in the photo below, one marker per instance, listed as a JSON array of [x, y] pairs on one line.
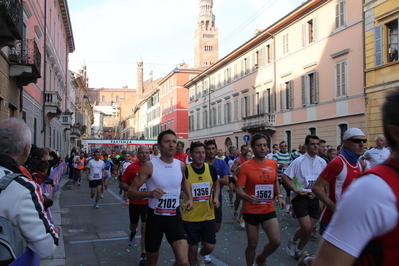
[[94, 237]]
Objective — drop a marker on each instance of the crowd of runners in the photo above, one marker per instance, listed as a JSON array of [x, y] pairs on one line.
[[178, 194]]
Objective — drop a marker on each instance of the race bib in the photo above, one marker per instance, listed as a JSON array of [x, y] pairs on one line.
[[264, 193], [309, 182], [96, 175], [167, 204], [201, 191]]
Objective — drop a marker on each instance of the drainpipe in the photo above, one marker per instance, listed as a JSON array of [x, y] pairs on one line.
[[44, 74]]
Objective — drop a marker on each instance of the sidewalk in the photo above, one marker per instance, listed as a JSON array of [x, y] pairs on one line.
[[58, 258]]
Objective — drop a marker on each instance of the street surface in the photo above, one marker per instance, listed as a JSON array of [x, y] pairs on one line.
[[96, 237]]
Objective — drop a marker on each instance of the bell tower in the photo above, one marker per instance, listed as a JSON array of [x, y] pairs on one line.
[[206, 37]]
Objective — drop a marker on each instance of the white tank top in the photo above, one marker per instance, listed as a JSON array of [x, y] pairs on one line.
[[166, 176]]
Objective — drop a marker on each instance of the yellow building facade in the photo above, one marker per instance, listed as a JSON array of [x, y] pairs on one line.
[[381, 58]]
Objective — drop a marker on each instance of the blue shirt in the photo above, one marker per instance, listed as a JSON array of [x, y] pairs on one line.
[[222, 170]]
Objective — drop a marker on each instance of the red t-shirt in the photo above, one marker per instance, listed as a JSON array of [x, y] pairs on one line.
[[258, 179], [181, 156], [129, 175], [339, 173]]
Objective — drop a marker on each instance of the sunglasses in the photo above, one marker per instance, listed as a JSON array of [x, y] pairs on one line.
[[357, 141]]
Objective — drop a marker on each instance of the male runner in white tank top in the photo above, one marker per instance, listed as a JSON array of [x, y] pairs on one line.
[[165, 179]]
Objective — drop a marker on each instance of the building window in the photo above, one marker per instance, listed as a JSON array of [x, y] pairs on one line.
[[340, 14], [341, 73], [205, 120], [34, 130], [245, 106], [208, 48], [198, 120], [309, 31], [342, 129], [117, 98], [236, 109], [219, 114], [256, 103], [268, 54], [235, 68], [227, 112], [310, 88], [392, 28], [312, 131], [285, 44], [288, 139], [287, 95], [24, 116]]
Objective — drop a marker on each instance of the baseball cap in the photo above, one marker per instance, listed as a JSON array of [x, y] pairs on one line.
[[353, 132]]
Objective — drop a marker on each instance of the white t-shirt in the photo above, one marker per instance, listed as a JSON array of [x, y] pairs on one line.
[[376, 156], [95, 169], [367, 209], [303, 171]]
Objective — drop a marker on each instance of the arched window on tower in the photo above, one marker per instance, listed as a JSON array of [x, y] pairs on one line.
[[103, 98], [117, 98]]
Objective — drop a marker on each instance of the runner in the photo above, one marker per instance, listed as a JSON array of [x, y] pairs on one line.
[[155, 152], [258, 186], [123, 165], [283, 158], [180, 154], [339, 173], [137, 208], [378, 154], [229, 159], [299, 178], [108, 166], [95, 170], [364, 229], [165, 179], [80, 163], [199, 223]]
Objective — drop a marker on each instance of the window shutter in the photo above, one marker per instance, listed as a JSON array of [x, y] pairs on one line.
[[378, 45], [304, 34], [282, 107], [316, 87], [316, 28], [254, 103], [303, 83], [273, 100], [291, 95], [242, 107]]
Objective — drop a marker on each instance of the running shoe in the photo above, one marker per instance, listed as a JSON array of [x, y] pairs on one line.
[[298, 253], [302, 258], [131, 240], [291, 247], [78, 183], [96, 206], [242, 223], [207, 259], [92, 195], [235, 215], [258, 262], [142, 262], [102, 195], [200, 259]]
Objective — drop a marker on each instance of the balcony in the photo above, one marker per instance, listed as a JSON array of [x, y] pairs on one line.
[[25, 60], [11, 19], [75, 131], [66, 120], [52, 103], [256, 123]]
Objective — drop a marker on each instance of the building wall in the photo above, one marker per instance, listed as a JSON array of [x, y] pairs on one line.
[[264, 80], [381, 75]]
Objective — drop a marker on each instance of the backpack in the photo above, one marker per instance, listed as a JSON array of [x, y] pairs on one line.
[[12, 243]]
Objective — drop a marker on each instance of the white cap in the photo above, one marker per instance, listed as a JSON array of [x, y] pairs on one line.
[[353, 132]]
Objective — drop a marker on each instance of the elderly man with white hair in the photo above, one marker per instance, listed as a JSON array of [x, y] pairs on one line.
[[378, 154], [21, 202]]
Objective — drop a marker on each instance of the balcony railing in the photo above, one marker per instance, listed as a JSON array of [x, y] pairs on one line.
[[26, 52], [66, 120], [257, 121], [11, 19], [52, 99]]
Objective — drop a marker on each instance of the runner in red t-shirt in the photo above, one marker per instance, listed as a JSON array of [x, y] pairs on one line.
[[137, 208]]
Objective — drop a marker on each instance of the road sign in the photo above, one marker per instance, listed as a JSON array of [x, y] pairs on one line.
[[246, 138]]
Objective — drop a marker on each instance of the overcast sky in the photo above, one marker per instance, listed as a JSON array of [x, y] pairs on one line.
[[111, 36]]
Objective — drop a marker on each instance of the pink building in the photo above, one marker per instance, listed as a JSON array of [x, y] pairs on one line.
[[301, 75]]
